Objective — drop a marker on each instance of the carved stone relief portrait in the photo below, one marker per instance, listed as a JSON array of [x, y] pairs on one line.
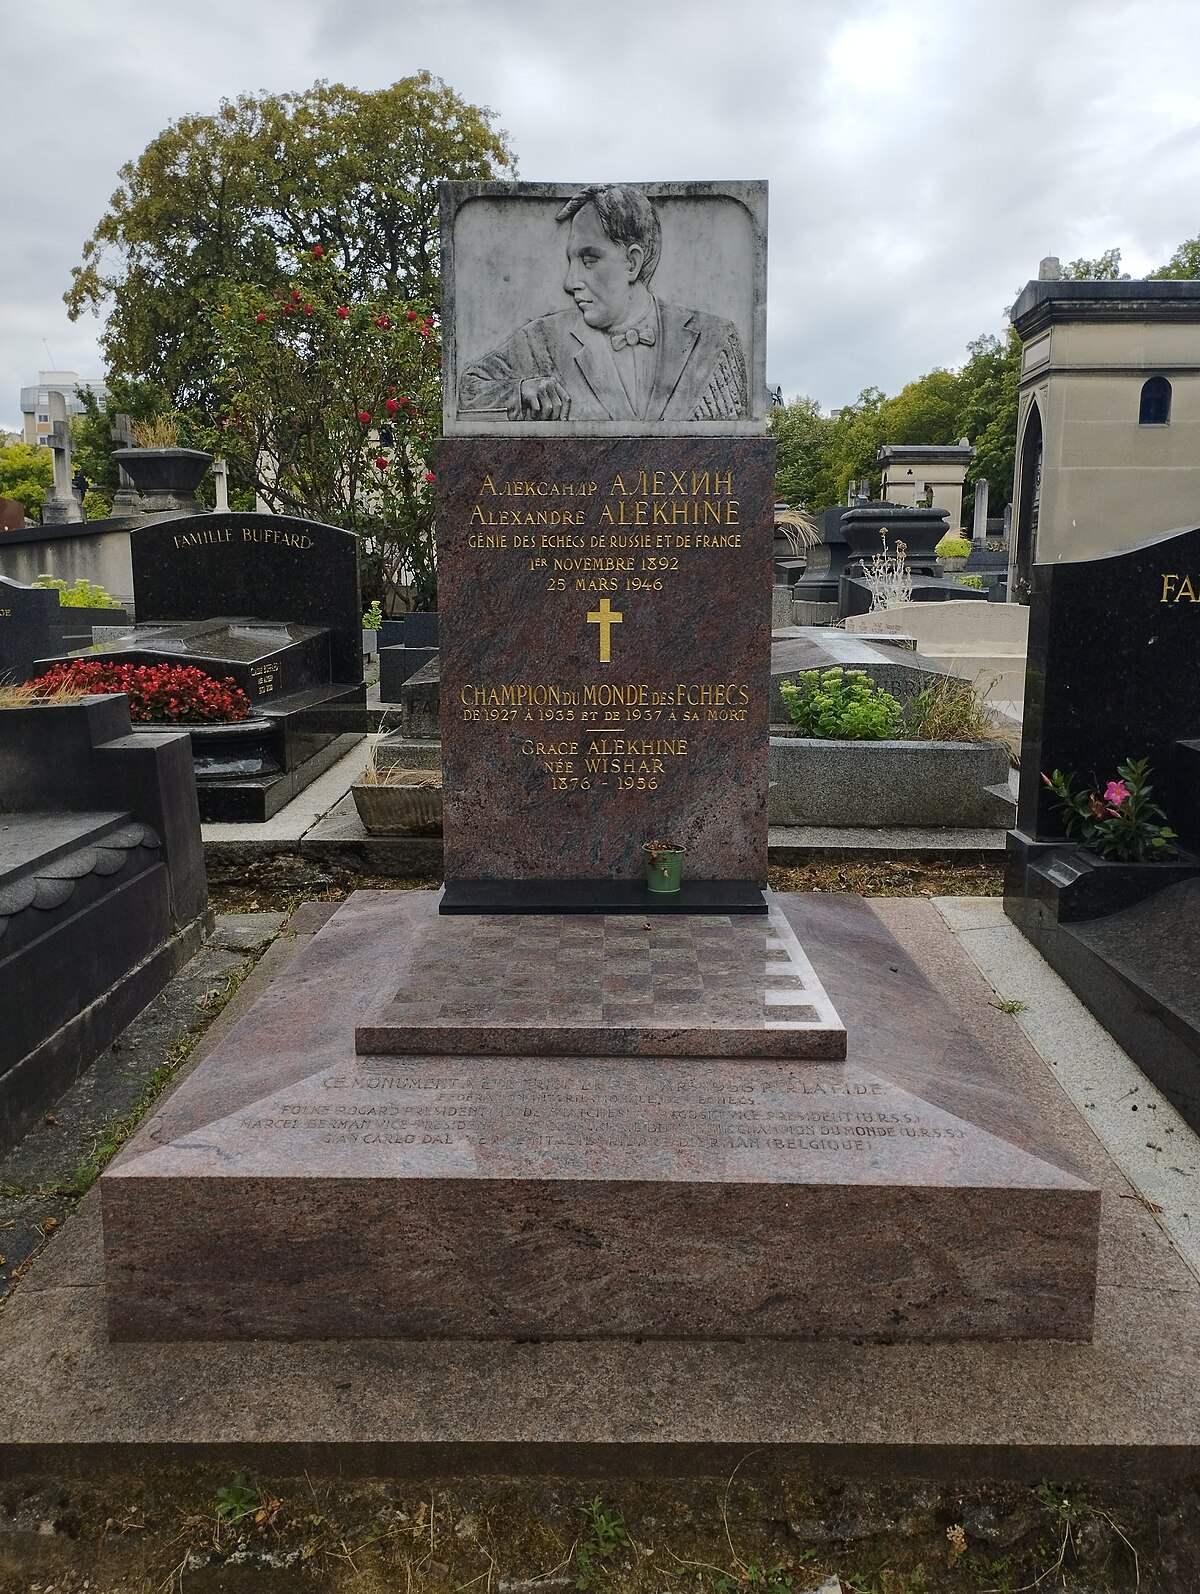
[[617, 343]]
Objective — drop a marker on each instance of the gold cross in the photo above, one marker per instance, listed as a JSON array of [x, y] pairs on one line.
[[605, 617]]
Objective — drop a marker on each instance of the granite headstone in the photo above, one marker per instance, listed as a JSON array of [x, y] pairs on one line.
[[1112, 674], [620, 692], [270, 567], [30, 629]]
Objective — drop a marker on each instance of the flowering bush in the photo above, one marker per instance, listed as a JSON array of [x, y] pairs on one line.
[[1121, 822], [840, 705], [165, 694], [333, 406]]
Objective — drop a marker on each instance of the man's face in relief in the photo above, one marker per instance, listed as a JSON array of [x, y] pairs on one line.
[[600, 274]]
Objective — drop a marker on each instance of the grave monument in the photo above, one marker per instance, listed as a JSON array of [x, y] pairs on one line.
[[1113, 644], [272, 602], [547, 1102]]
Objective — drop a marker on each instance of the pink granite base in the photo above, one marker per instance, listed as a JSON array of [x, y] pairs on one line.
[[619, 985], [291, 1189]]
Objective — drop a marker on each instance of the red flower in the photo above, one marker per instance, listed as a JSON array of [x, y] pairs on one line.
[[405, 401], [381, 463], [318, 251], [261, 317], [382, 321], [157, 692], [390, 406], [391, 392], [364, 417], [289, 309], [308, 309], [342, 312], [429, 476], [411, 316], [295, 296]]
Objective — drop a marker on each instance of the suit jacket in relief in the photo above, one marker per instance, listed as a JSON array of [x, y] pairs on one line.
[[699, 371]]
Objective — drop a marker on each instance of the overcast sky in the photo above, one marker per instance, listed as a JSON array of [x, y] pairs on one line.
[[922, 155]]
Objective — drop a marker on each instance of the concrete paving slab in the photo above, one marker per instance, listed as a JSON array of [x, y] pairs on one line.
[[297, 817], [899, 841], [1135, 1123]]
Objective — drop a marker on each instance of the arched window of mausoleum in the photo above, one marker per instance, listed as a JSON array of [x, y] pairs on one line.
[[1156, 402]]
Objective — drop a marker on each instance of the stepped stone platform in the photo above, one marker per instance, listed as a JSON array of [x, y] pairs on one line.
[[613, 984], [292, 1189]]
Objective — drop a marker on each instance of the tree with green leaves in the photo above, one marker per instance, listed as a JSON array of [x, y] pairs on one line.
[[26, 474], [332, 408], [803, 442], [234, 197], [1105, 268], [1183, 264]]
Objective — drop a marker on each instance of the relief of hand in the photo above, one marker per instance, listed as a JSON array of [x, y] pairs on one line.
[[543, 398]]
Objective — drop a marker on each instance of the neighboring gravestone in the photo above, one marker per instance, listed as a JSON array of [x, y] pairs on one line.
[[270, 567], [1114, 648], [61, 507], [30, 629], [272, 602], [604, 541], [1114, 645]]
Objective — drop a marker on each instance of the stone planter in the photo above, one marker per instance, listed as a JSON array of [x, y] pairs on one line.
[[370, 643], [920, 530], [409, 802], [953, 562], [165, 478], [855, 785]]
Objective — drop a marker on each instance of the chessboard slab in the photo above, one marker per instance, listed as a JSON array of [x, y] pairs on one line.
[[712, 985], [292, 1189]]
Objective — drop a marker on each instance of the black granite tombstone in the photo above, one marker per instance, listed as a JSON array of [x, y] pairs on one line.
[[102, 888], [30, 629], [273, 602], [274, 567], [1112, 674]]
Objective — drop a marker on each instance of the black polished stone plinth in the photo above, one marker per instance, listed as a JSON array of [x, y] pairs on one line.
[[600, 896], [1111, 675]]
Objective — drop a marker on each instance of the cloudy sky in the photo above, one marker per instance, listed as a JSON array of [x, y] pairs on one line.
[[922, 154]]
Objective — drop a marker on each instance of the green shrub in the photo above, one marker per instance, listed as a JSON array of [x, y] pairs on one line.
[[840, 705], [97, 505], [974, 582], [953, 548], [373, 618], [82, 595]]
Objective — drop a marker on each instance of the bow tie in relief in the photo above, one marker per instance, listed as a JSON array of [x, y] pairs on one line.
[[630, 337]]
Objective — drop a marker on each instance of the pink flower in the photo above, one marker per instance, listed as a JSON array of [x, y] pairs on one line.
[[318, 251], [1116, 792]]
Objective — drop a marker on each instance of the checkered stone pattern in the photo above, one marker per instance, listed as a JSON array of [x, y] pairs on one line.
[[689, 971]]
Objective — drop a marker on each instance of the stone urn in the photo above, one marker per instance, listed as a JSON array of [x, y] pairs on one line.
[[920, 530], [165, 478]]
